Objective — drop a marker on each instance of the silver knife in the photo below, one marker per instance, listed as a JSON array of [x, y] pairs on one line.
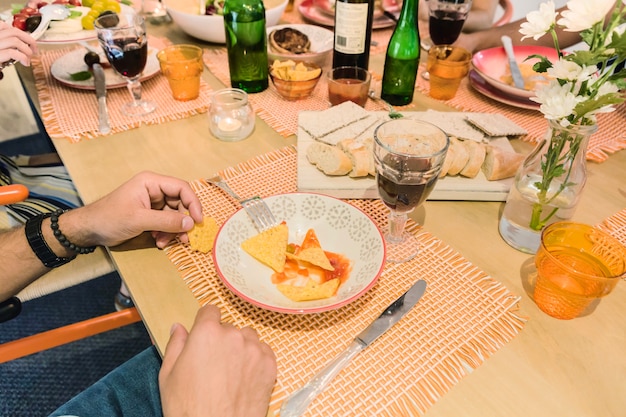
[[296, 404], [101, 93], [518, 80]]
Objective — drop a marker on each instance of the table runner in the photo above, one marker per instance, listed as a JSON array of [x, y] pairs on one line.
[[279, 113], [464, 317], [608, 139], [73, 113]]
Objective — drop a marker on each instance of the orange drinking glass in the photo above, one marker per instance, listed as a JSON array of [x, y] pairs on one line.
[[447, 66], [182, 66], [576, 264]]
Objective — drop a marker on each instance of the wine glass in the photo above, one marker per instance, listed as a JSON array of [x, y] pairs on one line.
[[125, 43], [408, 154], [445, 22]]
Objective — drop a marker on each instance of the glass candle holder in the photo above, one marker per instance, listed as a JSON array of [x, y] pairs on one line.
[[231, 117]]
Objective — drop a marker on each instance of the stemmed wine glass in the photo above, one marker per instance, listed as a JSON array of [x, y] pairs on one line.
[[408, 154], [125, 43], [445, 22]]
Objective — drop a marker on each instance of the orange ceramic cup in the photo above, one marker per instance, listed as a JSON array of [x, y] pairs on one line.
[[576, 264], [183, 66], [447, 65]]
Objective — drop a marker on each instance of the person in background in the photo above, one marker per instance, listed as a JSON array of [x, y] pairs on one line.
[[481, 16], [214, 369], [490, 38]]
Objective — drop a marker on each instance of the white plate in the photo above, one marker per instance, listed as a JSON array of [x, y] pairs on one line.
[[62, 38], [312, 13], [321, 44], [73, 62], [340, 227]]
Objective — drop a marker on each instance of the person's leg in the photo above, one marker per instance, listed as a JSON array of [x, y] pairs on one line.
[[131, 390]]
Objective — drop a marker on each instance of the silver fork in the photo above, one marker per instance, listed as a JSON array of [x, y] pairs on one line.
[[255, 207]]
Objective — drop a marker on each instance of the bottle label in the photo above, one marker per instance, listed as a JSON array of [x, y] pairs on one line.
[[350, 27]]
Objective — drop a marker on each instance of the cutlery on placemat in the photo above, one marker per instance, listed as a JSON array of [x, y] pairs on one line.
[[298, 402], [101, 93], [518, 80]]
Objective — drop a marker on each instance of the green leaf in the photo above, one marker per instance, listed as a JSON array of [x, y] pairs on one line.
[[80, 76]]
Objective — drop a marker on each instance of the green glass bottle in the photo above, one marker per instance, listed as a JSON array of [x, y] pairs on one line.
[[246, 42], [402, 59]]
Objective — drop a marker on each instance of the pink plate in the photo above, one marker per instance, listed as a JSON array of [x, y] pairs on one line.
[[340, 227], [493, 63], [488, 90], [328, 7], [315, 15]]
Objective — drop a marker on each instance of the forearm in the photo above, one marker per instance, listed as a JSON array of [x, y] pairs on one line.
[[19, 266]]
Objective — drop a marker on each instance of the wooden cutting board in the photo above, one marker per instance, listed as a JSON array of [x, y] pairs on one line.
[[310, 179]]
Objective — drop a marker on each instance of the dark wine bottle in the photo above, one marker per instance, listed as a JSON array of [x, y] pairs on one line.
[[402, 58], [353, 33]]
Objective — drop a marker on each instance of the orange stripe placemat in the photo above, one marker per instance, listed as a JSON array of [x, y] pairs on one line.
[[73, 113], [464, 317], [280, 114], [609, 138]]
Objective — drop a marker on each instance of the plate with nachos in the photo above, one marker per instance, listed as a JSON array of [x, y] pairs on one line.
[[324, 254]]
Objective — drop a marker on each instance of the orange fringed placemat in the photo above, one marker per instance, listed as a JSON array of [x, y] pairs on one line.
[[464, 317], [609, 138], [280, 114], [615, 226], [73, 113]]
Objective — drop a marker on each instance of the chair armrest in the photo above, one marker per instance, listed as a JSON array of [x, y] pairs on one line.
[[9, 309], [14, 193]]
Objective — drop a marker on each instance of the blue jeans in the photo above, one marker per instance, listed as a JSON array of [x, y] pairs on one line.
[[130, 390]]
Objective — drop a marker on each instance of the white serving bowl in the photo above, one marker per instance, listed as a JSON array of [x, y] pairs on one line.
[[321, 45], [211, 28]]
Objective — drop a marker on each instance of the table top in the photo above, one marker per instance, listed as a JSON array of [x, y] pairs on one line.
[[552, 367]]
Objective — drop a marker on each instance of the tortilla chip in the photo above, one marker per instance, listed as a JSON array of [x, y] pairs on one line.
[[202, 236], [315, 256], [311, 291], [269, 247]]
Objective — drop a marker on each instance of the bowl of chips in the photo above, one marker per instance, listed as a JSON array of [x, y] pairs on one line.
[[266, 269], [294, 80]]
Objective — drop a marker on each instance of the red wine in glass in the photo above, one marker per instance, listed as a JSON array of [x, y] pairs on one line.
[[127, 56], [445, 26]]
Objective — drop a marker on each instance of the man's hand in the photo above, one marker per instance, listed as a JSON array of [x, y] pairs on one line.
[[216, 370]]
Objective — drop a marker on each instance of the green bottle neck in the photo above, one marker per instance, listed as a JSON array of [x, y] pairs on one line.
[[408, 14]]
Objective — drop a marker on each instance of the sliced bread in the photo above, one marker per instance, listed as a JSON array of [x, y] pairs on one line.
[[329, 159], [476, 158], [461, 156], [501, 163], [359, 155]]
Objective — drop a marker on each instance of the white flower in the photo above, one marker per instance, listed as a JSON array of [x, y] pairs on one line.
[[538, 22], [570, 71], [583, 14], [607, 88], [557, 101]]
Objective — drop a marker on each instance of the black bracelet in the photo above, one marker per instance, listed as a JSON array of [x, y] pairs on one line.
[[54, 225], [37, 243]]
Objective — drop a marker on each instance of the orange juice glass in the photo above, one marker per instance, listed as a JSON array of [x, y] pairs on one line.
[[576, 264], [447, 65], [183, 67]]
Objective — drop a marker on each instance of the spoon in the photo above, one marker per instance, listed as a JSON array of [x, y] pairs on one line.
[[49, 13], [392, 112]]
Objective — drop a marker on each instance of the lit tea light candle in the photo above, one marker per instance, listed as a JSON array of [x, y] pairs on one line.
[[231, 117], [228, 125]]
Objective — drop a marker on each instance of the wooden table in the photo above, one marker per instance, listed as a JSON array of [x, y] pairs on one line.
[[552, 368]]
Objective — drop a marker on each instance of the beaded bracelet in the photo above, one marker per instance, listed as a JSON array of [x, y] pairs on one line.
[[54, 225]]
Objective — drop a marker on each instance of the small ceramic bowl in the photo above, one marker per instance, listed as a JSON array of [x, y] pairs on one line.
[[321, 45], [296, 90]]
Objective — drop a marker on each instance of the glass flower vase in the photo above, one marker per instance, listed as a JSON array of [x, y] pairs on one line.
[[547, 186]]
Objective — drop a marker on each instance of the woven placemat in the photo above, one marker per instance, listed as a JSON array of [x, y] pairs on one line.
[[615, 226], [609, 138], [277, 112], [73, 113], [464, 317]]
